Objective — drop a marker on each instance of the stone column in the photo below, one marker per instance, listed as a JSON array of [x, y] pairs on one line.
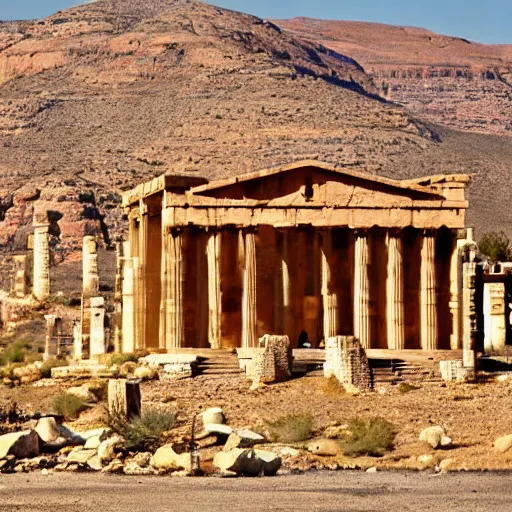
[[142, 277], [362, 289], [20, 284], [128, 319], [395, 293], [97, 332], [41, 288], [329, 298], [249, 337], [174, 321], [51, 321], [201, 290], [428, 298], [283, 307], [469, 316], [90, 277], [77, 341], [213, 252], [455, 298]]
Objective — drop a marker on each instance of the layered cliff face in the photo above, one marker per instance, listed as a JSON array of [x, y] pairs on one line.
[[449, 80], [98, 98]]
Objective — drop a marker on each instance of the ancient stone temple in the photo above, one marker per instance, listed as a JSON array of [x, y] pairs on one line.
[[306, 250]]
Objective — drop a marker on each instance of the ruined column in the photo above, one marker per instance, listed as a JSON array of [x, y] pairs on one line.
[[174, 321], [249, 335], [395, 293], [362, 289], [78, 351], [21, 277], [90, 277], [213, 252], [51, 321], [97, 331], [41, 280], [428, 299], [330, 299], [455, 294], [469, 314], [128, 320]]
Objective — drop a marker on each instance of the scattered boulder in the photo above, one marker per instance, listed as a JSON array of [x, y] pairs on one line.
[[372, 470], [503, 444], [94, 463], [242, 439], [287, 451], [106, 449], [247, 462], [426, 460], [48, 430], [218, 429], [435, 437], [81, 456], [92, 443], [23, 445], [166, 459], [212, 416], [324, 447]]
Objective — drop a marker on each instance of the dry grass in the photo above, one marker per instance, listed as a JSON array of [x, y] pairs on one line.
[[69, 406], [374, 436], [291, 428]]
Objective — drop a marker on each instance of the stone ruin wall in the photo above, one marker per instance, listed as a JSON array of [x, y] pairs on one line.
[[346, 360], [273, 361]]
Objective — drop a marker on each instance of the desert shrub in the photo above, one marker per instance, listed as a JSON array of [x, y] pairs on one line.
[[46, 367], [143, 431], [405, 387], [373, 436], [120, 359], [15, 352], [68, 405], [291, 428]]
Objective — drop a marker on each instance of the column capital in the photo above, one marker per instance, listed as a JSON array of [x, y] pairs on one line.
[[395, 232], [361, 232]]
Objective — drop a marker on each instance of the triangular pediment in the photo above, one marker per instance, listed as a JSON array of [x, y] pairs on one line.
[[312, 183]]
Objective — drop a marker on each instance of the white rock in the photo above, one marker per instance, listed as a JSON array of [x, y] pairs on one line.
[[48, 429], [433, 436], [324, 447], [213, 416], [503, 444], [23, 445], [80, 455], [165, 458], [446, 441], [92, 443], [44, 472], [248, 462], [215, 428], [144, 373], [271, 461], [82, 392], [372, 470], [106, 450], [426, 459], [287, 451]]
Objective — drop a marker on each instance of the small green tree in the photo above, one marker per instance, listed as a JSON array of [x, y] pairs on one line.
[[496, 246]]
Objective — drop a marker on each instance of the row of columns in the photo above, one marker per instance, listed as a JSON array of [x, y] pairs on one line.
[[171, 318]]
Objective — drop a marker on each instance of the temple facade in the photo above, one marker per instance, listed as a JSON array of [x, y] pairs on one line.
[[307, 250]]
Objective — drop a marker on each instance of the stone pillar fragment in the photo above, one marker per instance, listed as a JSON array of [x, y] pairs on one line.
[[395, 293], [78, 349], [128, 323], [41, 279], [428, 298], [330, 299], [249, 338], [91, 281], [174, 321], [51, 321], [21, 276], [469, 314], [202, 290], [142, 285], [362, 289], [213, 253], [455, 298], [97, 344]]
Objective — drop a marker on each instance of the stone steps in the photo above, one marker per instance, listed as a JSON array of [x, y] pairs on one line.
[[219, 364]]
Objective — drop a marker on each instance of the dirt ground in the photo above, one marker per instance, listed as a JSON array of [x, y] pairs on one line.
[[474, 415]]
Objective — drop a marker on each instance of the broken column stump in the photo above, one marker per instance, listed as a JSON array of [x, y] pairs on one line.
[[124, 398]]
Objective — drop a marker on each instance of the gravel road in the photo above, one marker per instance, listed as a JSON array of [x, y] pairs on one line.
[[342, 491]]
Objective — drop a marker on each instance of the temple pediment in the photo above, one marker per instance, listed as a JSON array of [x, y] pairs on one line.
[[314, 184]]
